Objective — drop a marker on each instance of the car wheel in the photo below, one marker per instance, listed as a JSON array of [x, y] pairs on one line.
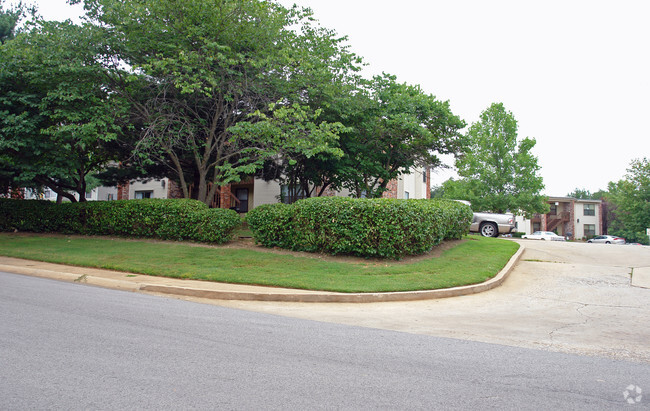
[[608, 242], [589, 241], [489, 230]]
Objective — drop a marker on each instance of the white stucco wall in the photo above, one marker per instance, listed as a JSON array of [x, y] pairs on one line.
[[156, 186], [104, 193], [413, 184], [581, 219], [523, 225], [265, 192]]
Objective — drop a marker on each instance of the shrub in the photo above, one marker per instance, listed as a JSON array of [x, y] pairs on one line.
[[151, 218], [271, 224], [364, 227], [25, 215]]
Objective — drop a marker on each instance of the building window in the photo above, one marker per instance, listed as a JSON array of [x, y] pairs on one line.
[[406, 195], [537, 227], [590, 230], [110, 197], [424, 176], [139, 195], [590, 209], [290, 194], [89, 194], [553, 209]]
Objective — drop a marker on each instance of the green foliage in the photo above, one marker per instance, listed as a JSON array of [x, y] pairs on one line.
[[298, 138], [202, 67], [58, 116], [272, 224], [391, 128], [10, 19], [584, 194], [631, 198], [499, 173], [151, 218], [384, 228], [468, 262], [581, 194], [26, 215]]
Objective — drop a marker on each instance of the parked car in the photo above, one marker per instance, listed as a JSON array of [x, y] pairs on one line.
[[492, 224], [607, 239], [544, 235]]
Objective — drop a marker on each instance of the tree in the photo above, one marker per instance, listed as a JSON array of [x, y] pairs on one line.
[[581, 194], [499, 172], [57, 114], [10, 18], [392, 127], [203, 67], [631, 196], [303, 145]]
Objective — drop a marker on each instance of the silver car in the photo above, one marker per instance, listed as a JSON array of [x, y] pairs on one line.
[[607, 239]]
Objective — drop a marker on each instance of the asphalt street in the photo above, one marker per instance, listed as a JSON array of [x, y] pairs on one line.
[[73, 346], [575, 298]]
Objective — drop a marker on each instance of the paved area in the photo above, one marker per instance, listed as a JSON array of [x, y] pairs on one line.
[[70, 347], [567, 297]]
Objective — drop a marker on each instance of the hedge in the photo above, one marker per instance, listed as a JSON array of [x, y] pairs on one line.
[[384, 228], [150, 218]]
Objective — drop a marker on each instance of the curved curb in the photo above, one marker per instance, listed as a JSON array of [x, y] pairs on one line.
[[342, 297], [268, 294]]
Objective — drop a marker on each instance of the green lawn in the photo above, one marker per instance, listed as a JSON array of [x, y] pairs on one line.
[[471, 261]]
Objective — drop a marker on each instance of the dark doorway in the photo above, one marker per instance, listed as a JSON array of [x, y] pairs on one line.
[[242, 197]]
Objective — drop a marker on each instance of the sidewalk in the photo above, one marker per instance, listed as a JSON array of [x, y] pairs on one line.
[[222, 291]]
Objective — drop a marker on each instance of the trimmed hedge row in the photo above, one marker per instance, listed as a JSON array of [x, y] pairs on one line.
[[364, 227], [150, 218]]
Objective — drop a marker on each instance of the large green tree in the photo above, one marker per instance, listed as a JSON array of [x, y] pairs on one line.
[[201, 67], [392, 127], [631, 197], [57, 111], [498, 171]]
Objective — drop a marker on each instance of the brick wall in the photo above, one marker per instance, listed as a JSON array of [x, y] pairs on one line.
[[391, 189], [225, 196], [123, 191], [173, 190]]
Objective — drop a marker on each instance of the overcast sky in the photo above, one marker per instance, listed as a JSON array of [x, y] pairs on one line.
[[574, 73]]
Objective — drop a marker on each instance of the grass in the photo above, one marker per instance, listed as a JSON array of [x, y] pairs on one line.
[[471, 261]]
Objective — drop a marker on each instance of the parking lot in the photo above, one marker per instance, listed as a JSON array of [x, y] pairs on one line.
[[568, 297]]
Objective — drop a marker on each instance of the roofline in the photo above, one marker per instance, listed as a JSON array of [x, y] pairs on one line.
[[580, 200]]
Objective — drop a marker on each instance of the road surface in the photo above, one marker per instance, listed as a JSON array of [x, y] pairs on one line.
[[72, 346], [567, 297]]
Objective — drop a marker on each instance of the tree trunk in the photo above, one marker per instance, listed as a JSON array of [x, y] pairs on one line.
[[202, 194]]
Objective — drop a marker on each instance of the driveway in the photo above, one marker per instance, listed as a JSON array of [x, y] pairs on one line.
[[568, 297]]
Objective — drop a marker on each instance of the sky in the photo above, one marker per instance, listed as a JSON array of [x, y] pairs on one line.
[[574, 73]]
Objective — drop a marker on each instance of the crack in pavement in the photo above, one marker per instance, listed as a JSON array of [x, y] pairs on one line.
[[591, 304], [582, 306]]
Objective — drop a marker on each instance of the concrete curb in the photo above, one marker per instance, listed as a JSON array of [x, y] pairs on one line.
[[268, 293], [641, 277], [330, 297]]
